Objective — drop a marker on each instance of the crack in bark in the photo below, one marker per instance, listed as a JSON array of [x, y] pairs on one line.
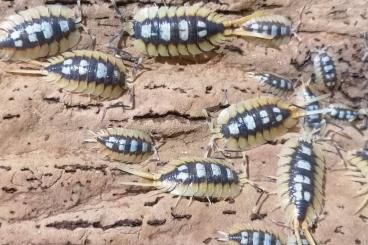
[[173, 113], [72, 225], [72, 168]]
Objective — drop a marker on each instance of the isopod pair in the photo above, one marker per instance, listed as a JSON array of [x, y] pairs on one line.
[[192, 30]]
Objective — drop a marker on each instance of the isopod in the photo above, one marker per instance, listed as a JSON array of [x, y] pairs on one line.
[[88, 72], [300, 183], [276, 26], [342, 113], [125, 145], [185, 30], [273, 83], [358, 166], [194, 177], [39, 32], [315, 121], [249, 236], [326, 70]]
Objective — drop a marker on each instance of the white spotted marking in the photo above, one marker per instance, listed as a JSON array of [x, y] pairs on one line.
[[122, 143], [276, 110], [134, 146], [230, 174], [18, 43], [341, 114], [334, 112], [101, 70], [216, 171], [255, 238], [264, 115], [113, 139], [183, 176], [325, 59], [183, 30], [32, 38], [68, 62], [282, 83], [274, 82], [66, 70], [304, 165], [201, 24], [302, 179], [249, 121], [328, 68], [109, 145], [144, 147], [46, 29], [306, 150], [83, 67], [298, 195], [201, 171], [244, 237], [165, 31], [146, 30], [284, 30], [265, 27], [202, 33], [279, 118], [15, 35], [307, 196], [182, 168], [233, 128], [274, 30], [254, 26], [267, 239], [64, 26]]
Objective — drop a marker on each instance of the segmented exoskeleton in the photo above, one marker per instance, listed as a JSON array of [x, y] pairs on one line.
[[125, 145], [273, 83], [39, 32], [247, 235], [186, 30], [326, 70], [88, 72], [358, 166], [300, 183], [194, 177]]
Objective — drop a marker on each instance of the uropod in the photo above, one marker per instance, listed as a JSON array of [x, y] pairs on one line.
[[193, 177], [39, 32], [192, 30]]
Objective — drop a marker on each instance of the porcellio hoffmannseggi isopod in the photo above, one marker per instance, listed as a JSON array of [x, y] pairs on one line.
[[326, 70], [88, 72], [124, 145], [193, 177], [358, 166], [272, 83], [185, 30], [39, 32], [246, 235], [300, 183], [315, 121]]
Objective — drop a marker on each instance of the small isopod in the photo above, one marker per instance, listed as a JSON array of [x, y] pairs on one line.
[[342, 113], [358, 166], [194, 177], [185, 30], [273, 83], [300, 183], [249, 236], [125, 145], [326, 70], [39, 32], [276, 26], [88, 72], [315, 121]]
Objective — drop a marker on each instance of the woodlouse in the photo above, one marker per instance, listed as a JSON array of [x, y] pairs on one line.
[[315, 121], [185, 30], [342, 113], [300, 183], [326, 70], [89, 72], [249, 236], [358, 166], [194, 177], [38, 32], [276, 26], [273, 83], [125, 145]]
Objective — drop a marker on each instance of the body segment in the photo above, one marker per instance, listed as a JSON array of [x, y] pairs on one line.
[[125, 145], [38, 32], [273, 83]]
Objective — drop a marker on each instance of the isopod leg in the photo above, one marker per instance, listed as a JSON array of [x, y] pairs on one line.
[[246, 164], [117, 11]]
